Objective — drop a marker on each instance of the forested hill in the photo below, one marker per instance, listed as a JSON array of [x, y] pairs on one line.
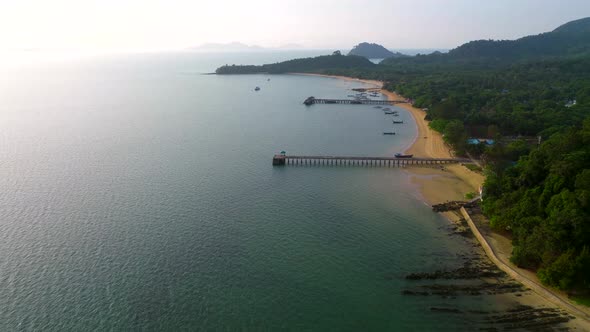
[[570, 39], [544, 200], [373, 51], [316, 64]]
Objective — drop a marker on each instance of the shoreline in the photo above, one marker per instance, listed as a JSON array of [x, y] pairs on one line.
[[439, 184], [434, 184], [432, 146]]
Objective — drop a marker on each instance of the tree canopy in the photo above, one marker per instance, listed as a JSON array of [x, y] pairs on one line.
[[544, 200]]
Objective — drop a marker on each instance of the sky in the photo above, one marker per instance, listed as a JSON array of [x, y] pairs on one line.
[[148, 25]]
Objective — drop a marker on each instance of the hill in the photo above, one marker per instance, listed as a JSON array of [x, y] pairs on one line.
[[316, 64], [373, 51], [570, 39]]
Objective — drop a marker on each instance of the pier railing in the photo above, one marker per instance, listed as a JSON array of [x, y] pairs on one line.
[[282, 160]]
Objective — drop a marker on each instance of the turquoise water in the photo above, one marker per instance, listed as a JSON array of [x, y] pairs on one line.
[[138, 194]]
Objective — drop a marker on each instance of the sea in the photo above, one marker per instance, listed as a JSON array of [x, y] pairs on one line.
[[137, 193]]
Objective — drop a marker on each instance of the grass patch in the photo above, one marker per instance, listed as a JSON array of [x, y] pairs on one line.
[[473, 167], [470, 195], [582, 299]]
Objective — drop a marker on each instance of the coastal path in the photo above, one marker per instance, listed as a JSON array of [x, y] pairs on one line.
[[518, 274]]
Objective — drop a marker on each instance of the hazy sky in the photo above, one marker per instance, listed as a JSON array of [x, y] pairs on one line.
[[109, 25]]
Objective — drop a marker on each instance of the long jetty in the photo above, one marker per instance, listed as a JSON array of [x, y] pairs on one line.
[[282, 160], [312, 100]]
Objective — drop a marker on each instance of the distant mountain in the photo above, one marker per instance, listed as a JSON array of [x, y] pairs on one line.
[[415, 51], [570, 39], [373, 51], [305, 65], [229, 47], [578, 26]]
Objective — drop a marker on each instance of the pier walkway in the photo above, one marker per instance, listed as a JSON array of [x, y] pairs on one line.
[[282, 160], [311, 100]]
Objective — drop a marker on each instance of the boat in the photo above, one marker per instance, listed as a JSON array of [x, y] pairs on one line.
[[377, 107], [257, 88], [388, 133], [390, 113], [400, 155], [398, 121]]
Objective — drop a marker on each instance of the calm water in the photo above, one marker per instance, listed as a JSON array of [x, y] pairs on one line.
[[137, 194]]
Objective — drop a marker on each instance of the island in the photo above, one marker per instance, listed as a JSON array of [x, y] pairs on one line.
[[374, 51], [310, 65]]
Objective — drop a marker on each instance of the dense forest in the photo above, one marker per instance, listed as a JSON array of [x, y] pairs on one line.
[[544, 200], [534, 86], [526, 99], [316, 64]]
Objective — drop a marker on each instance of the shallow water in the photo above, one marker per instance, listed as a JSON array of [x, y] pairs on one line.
[[139, 194]]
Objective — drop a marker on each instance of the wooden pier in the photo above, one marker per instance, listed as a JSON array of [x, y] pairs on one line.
[[312, 100], [282, 160]]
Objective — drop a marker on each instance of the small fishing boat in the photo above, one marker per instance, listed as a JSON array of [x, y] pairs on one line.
[[401, 155], [257, 88], [388, 133], [390, 113], [397, 122]]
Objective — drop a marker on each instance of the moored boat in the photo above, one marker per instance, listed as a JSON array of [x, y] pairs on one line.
[[400, 155]]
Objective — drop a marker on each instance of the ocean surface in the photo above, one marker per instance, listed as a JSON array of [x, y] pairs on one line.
[[138, 194]]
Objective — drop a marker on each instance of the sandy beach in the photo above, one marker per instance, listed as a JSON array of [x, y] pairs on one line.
[[435, 185], [450, 182]]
